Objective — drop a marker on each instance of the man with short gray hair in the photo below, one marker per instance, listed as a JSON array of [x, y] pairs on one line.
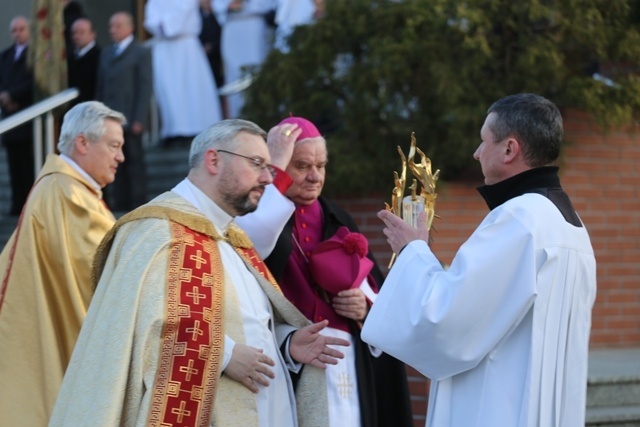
[[45, 267]]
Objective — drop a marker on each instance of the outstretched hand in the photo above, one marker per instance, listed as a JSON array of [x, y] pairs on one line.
[[249, 366], [399, 233], [307, 345]]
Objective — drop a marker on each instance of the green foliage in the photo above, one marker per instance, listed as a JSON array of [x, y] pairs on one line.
[[373, 71]]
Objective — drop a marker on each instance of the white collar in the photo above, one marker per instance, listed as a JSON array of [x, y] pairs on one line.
[[82, 52], [82, 172], [124, 43], [214, 213]]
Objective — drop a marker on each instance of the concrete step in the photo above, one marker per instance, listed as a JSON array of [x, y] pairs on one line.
[[614, 416], [613, 392], [166, 167]]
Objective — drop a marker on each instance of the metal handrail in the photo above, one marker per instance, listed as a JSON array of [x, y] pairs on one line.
[[35, 113]]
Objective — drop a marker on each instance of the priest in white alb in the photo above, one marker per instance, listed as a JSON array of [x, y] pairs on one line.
[[503, 333]]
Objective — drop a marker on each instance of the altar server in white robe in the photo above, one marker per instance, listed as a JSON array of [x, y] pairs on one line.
[[183, 84], [246, 40], [292, 13], [503, 333], [187, 326]]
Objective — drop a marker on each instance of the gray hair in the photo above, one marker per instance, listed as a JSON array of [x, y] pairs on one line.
[[221, 135], [86, 118], [534, 121]]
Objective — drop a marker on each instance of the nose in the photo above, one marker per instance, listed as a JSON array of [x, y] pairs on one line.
[[476, 154], [314, 174], [265, 176], [120, 156]]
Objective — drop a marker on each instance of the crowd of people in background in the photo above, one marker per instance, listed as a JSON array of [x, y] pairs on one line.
[[195, 48]]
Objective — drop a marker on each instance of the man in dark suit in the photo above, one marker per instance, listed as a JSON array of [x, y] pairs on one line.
[[83, 60], [124, 84], [16, 93]]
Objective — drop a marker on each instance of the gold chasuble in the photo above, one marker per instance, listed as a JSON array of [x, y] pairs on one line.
[[174, 303], [45, 273]]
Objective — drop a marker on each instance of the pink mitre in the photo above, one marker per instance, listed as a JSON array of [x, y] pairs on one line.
[[309, 130]]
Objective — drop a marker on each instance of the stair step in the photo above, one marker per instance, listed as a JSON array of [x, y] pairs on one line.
[[614, 378], [614, 416]]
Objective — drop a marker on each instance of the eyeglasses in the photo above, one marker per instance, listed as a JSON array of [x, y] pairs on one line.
[[257, 162]]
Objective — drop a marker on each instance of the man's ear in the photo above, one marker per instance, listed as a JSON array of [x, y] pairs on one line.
[[81, 144], [512, 150], [212, 161]]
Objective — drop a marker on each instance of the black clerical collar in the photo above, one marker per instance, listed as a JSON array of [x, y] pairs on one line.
[[533, 179]]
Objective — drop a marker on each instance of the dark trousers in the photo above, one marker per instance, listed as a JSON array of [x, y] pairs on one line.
[[21, 171], [129, 190]]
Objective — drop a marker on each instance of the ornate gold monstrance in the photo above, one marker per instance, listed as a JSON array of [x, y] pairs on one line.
[[408, 207]]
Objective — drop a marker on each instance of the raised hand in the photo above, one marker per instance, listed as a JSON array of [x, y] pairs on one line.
[[399, 233], [280, 140]]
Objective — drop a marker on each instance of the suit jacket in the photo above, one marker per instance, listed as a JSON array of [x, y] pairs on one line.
[[125, 82], [17, 79], [83, 74]]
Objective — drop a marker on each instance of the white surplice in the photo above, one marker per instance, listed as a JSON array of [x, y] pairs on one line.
[[183, 83], [290, 14], [245, 41], [504, 332]]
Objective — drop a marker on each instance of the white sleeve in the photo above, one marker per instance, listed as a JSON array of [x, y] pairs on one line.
[[265, 224], [444, 322]]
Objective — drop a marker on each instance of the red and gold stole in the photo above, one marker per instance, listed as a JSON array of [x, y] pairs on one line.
[[193, 337], [244, 247]]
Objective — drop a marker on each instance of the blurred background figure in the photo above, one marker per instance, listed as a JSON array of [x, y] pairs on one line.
[[246, 40], [124, 84], [71, 11], [183, 82], [290, 14], [210, 38], [16, 93], [83, 60]]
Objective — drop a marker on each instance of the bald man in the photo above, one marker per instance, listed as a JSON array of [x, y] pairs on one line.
[[16, 93], [124, 84]]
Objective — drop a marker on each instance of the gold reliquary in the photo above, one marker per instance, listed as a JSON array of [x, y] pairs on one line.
[[422, 195]]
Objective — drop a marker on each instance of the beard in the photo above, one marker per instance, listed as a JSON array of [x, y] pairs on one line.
[[242, 203]]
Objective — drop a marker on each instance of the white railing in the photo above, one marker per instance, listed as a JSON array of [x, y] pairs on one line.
[[36, 112]]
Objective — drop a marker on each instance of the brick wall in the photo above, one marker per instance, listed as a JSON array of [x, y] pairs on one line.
[[600, 171]]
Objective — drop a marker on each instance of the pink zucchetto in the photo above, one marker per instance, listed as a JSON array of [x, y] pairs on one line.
[[309, 130]]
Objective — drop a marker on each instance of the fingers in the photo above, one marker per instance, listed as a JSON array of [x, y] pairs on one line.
[[351, 303], [334, 341], [281, 140], [250, 367], [316, 327]]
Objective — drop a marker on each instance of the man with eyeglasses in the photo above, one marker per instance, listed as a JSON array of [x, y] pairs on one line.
[[187, 325]]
